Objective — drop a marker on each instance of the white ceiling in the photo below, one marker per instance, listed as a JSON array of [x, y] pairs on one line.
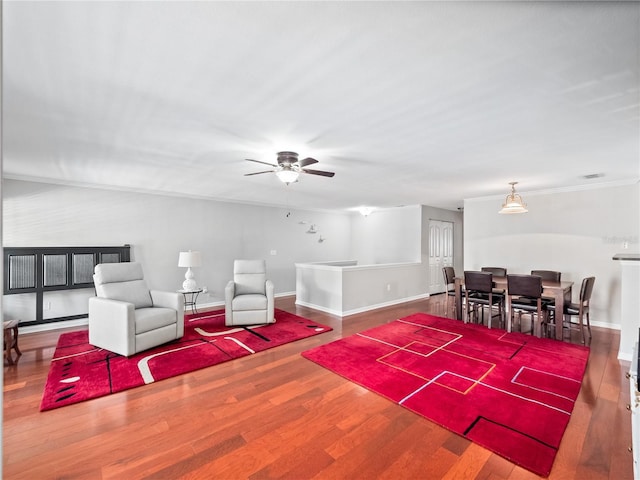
[[408, 102]]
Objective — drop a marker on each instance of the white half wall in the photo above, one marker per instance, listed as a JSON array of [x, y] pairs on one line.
[[576, 232]]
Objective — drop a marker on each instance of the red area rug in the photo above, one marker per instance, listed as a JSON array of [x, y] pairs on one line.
[[509, 392], [79, 371]]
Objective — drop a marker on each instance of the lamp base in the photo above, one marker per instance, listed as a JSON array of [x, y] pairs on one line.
[[189, 282], [189, 285]]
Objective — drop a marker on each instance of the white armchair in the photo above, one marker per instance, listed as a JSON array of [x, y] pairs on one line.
[[249, 296], [126, 317]]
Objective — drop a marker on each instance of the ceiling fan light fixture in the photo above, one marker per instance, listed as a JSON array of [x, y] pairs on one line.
[[513, 203], [365, 211], [287, 175]]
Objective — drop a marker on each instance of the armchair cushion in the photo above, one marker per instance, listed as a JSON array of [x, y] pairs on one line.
[[249, 302], [124, 282], [147, 319], [135, 291], [249, 276]]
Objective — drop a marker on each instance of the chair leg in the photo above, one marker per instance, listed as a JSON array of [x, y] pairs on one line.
[[581, 328]]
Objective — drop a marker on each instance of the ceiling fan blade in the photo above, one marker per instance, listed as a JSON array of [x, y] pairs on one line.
[[318, 172], [259, 161], [258, 173], [307, 161]]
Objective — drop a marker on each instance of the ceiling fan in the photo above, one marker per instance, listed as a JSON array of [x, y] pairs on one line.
[[289, 167]]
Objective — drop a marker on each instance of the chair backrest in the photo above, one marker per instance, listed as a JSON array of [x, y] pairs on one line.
[[250, 276], [122, 281], [524, 285], [478, 281], [449, 275], [586, 290], [547, 275], [497, 271]]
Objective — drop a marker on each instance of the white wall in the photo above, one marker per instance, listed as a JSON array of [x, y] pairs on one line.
[[386, 236], [159, 227], [576, 232]]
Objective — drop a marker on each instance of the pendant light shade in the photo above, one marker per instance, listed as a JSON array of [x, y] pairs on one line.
[[513, 203]]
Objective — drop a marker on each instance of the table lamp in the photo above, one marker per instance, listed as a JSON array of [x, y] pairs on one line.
[[189, 259]]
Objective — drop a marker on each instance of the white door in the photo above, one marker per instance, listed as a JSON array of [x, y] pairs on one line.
[[440, 253]]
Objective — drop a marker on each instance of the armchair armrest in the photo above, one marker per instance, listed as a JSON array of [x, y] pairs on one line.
[[171, 300], [268, 286], [229, 293], [112, 325], [174, 301]]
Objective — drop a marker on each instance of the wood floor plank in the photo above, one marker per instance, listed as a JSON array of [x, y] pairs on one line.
[[277, 415]]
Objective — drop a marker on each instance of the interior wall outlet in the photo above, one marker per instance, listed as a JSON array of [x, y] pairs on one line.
[[388, 287], [273, 252]]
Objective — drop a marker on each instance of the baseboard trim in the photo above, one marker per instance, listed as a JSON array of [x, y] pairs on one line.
[[44, 327], [355, 311]]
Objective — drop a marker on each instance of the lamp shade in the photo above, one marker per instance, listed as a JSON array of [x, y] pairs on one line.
[[190, 259], [513, 203]]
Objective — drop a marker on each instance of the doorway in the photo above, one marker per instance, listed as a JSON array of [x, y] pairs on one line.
[[440, 253]]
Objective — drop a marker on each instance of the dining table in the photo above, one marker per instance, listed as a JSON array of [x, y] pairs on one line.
[[559, 291]]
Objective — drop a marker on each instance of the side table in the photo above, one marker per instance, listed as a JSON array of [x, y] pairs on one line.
[[11, 341], [190, 298]]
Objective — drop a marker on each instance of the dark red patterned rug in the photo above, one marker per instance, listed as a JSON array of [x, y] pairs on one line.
[[79, 371], [509, 392]]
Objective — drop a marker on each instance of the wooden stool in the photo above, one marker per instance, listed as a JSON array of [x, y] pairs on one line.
[[11, 341]]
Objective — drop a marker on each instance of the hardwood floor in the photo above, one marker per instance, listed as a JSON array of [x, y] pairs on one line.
[[278, 415]]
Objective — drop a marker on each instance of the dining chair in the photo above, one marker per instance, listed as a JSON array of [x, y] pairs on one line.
[[479, 293], [497, 271], [580, 309], [525, 296], [547, 275], [449, 275]]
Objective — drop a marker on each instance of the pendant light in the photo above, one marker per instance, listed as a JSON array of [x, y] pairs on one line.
[[513, 203]]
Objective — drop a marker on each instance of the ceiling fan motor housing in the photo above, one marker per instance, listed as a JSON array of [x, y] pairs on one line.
[[287, 158]]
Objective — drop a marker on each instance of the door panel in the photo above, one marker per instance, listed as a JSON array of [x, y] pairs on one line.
[[440, 253]]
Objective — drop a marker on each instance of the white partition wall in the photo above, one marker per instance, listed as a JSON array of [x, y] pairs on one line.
[[629, 303], [343, 288]]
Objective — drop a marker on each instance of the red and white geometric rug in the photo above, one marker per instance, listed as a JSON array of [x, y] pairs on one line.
[[509, 392], [79, 371]]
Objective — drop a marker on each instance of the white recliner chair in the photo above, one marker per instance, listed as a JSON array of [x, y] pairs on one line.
[[126, 317], [249, 296]]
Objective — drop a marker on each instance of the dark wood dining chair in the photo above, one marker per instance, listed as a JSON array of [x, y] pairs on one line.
[[547, 275], [580, 309], [479, 293], [525, 296], [497, 271], [449, 276]]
